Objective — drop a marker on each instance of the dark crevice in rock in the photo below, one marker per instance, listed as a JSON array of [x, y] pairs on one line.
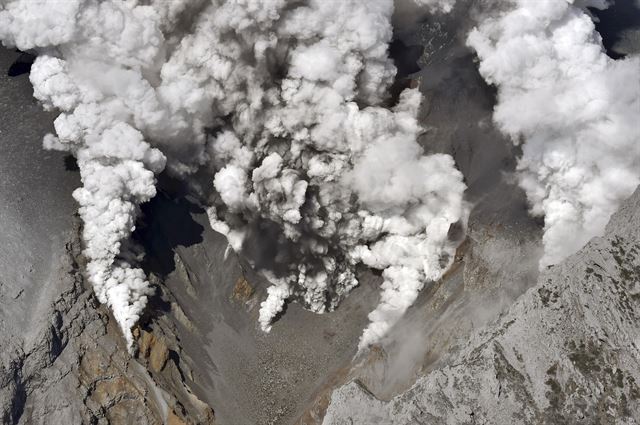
[[167, 223], [19, 397], [22, 65]]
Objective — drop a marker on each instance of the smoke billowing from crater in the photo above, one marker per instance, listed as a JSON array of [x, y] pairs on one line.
[[281, 104], [283, 107], [573, 109]]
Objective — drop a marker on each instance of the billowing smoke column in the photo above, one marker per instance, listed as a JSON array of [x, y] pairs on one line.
[[281, 102], [434, 5], [341, 183], [574, 109], [89, 68]]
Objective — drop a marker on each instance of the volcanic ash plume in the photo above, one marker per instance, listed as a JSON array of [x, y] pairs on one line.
[[436, 5], [337, 179], [574, 109], [283, 104]]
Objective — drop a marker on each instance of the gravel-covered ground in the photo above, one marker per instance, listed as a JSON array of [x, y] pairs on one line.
[[36, 207]]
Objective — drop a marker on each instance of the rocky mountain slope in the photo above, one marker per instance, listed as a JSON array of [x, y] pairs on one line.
[[567, 352]]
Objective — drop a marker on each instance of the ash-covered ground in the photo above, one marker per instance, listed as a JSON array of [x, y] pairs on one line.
[[36, 207]]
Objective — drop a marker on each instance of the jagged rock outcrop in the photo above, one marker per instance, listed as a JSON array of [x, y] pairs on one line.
[[566, 352], [78, 371]]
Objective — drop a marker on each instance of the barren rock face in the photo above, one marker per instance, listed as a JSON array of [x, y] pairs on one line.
[[566, 352]]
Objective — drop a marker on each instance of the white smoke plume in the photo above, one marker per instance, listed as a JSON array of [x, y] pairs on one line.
[[444, 6], [574, 109], [342, 180], [89, 69], [283, 103]]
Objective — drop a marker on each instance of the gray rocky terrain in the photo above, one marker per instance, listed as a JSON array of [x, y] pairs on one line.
[[566, 352]]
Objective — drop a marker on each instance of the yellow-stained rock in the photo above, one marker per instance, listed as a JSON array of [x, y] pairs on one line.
[[154, 349], [159, 356], [173, 419], [242, 290], [111, 389], [127, 412], [93, 364]]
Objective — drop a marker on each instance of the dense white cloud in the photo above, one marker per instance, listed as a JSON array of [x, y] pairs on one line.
[[574, 109], [310, 152], [298, 140], [437, 5]]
